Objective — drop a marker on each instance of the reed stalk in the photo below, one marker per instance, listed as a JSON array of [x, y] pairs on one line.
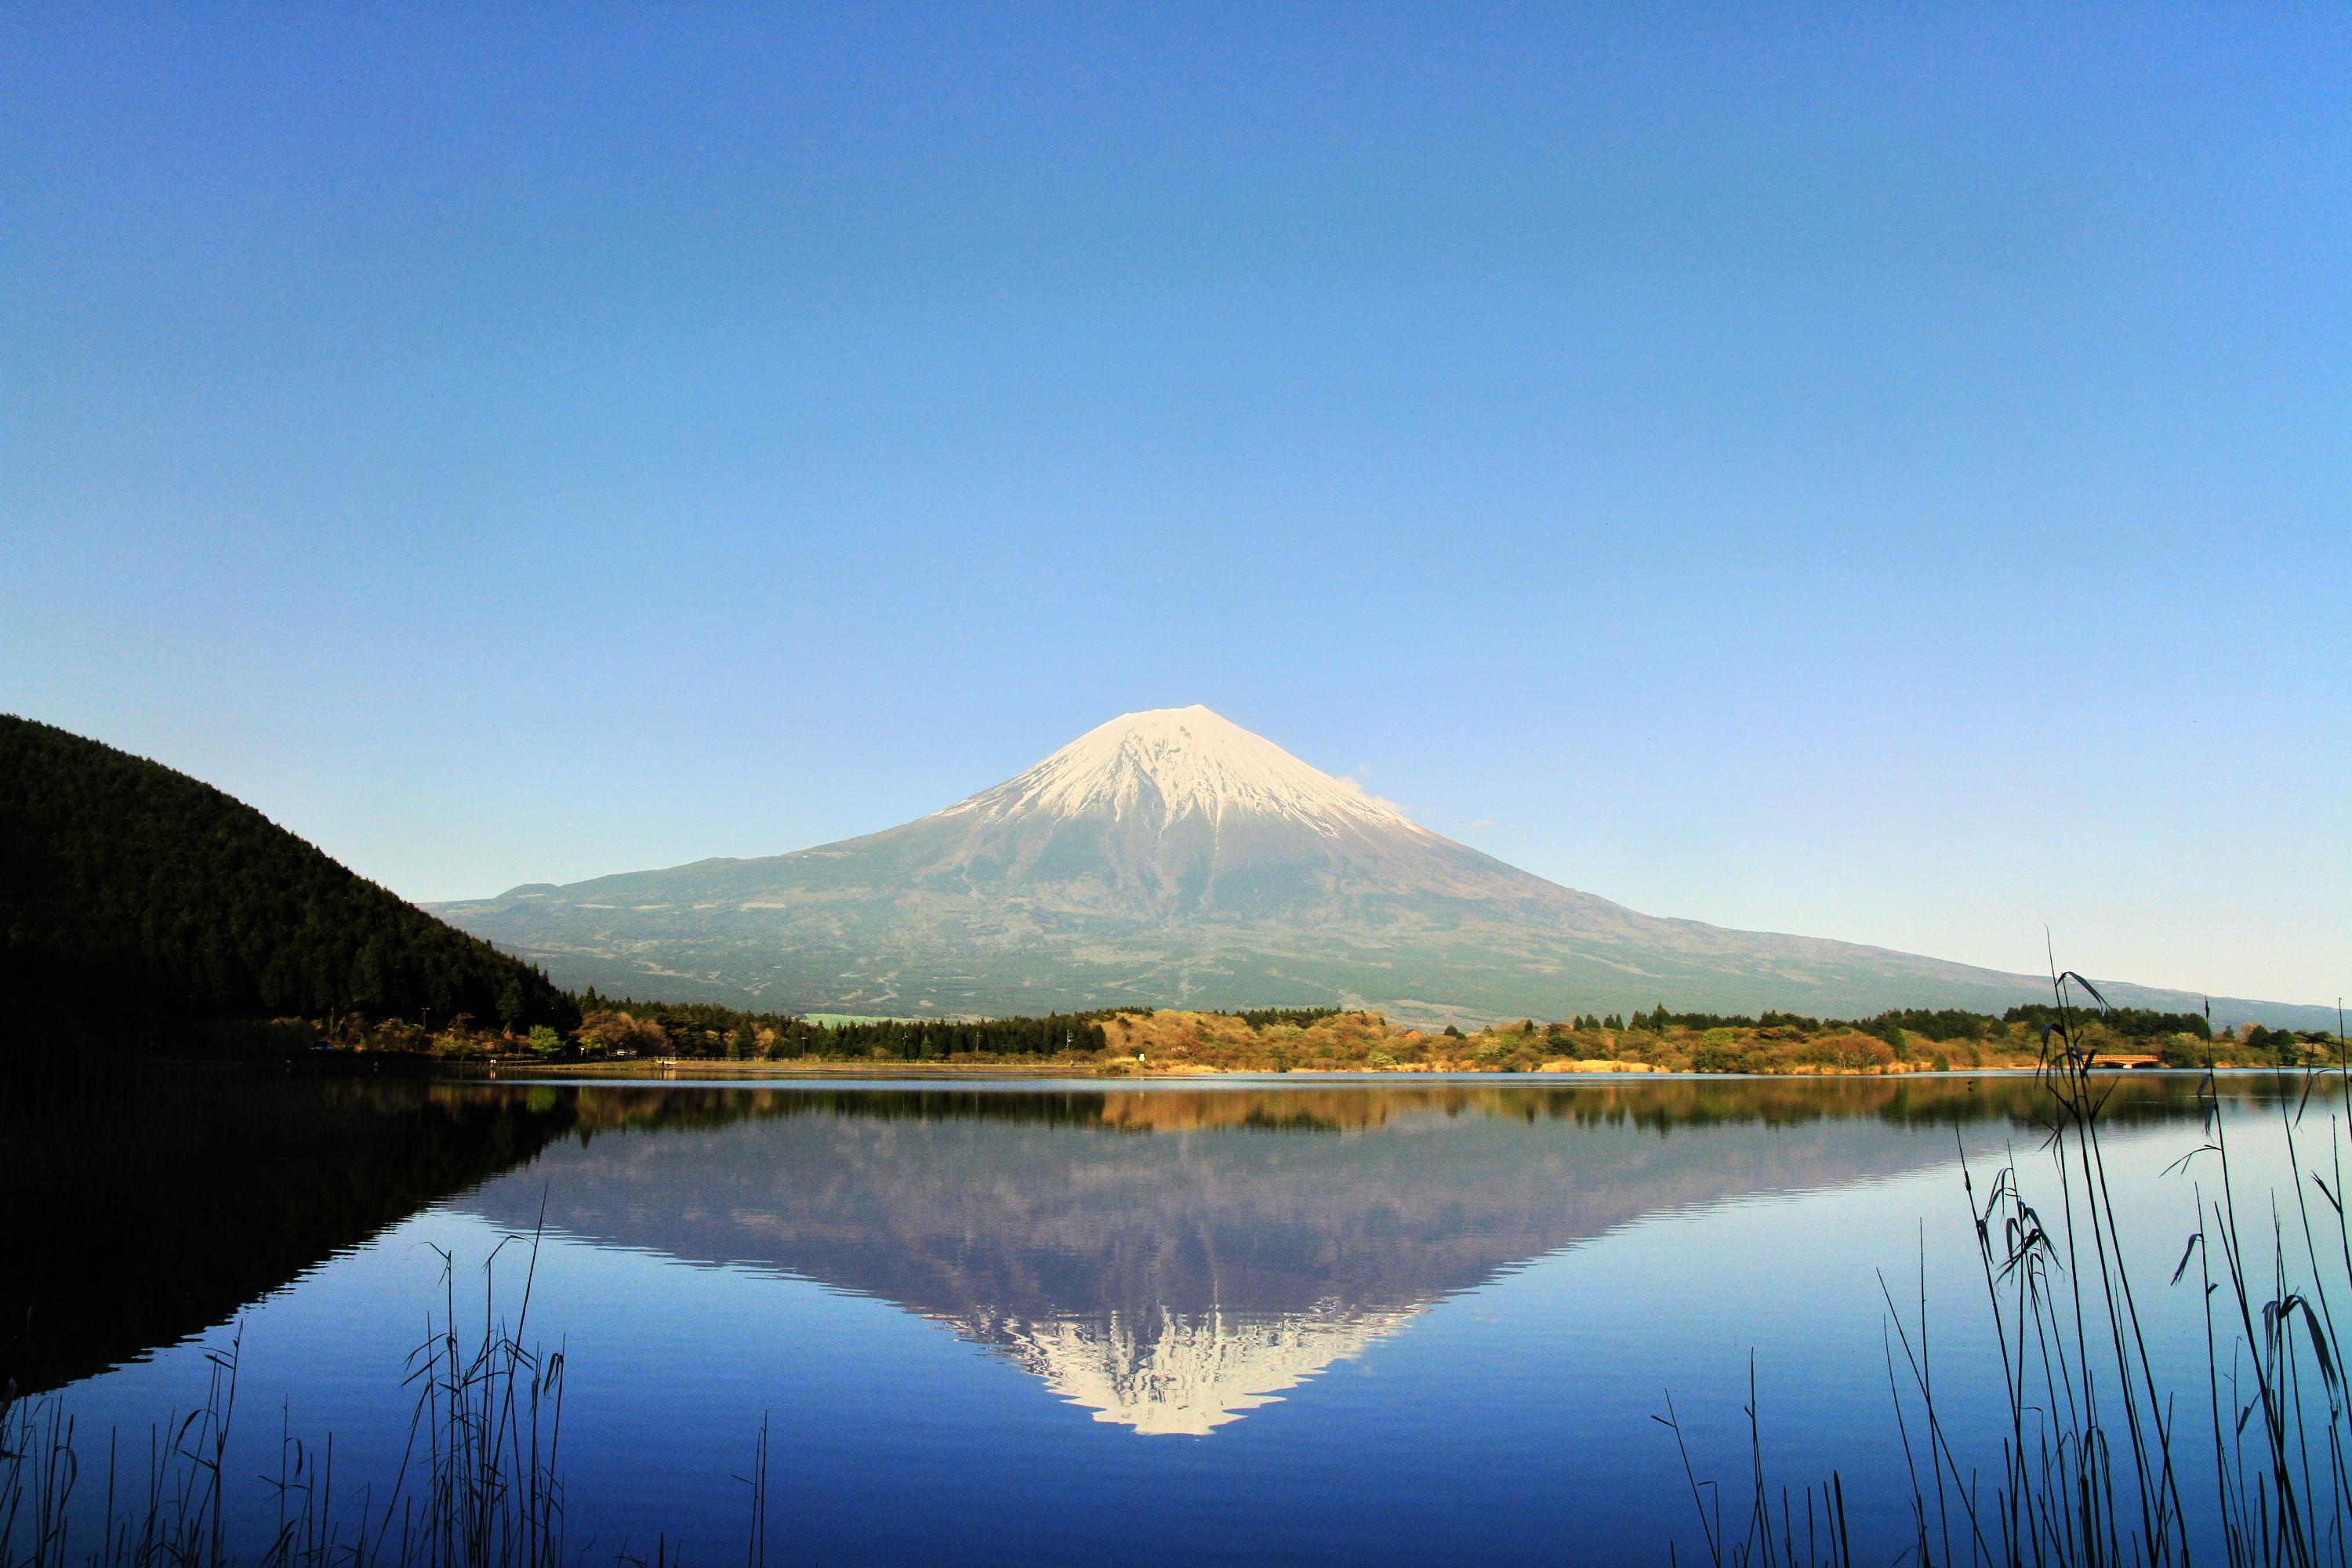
[[2093, 1451], [478, 1484]]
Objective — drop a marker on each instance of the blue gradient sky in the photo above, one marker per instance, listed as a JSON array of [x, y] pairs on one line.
[[1885, 476]]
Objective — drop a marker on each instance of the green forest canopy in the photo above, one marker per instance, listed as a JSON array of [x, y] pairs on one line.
[[128, 886]]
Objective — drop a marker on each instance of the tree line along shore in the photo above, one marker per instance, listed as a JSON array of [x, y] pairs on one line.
[[627, 1034], [141, 907]]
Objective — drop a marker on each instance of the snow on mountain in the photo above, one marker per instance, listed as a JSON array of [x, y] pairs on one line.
[[1187, 1373], [1173, 857], [1171, 763]]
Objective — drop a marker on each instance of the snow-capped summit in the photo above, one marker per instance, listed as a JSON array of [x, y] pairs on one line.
[[1172, 856], [1186, 1373], [1166, 764]]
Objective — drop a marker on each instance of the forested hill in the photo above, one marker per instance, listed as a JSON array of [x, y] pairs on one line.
[[126, 887]]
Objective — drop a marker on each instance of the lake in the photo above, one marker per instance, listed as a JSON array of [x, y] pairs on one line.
[[1261, 1321]]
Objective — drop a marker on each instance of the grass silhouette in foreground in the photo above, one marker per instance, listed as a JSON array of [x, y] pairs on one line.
[[2093, 1457], [478, 1487]]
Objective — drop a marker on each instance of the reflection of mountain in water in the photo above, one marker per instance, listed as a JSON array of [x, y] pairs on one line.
[[1172, 1259], [1160, 1255], [1180, 1372]]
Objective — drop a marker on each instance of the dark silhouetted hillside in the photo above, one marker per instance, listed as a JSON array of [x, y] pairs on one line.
[[128, 889]]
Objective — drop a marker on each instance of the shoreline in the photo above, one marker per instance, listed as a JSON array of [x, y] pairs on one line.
[[696, 1070], [704, 1042]]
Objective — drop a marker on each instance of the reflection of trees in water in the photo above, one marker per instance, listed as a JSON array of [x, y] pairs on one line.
[[1658, 1103], [148, 1204]]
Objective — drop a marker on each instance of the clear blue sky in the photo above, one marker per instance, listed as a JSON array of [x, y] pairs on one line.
[[1882, 472]]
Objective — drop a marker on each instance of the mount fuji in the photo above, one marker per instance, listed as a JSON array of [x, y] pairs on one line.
[[1172, 857]]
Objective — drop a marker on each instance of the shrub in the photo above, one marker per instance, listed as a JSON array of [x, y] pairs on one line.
[[1850, 1052]]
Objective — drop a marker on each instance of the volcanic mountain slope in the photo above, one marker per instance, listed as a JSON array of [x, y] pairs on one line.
[[1173, 857]]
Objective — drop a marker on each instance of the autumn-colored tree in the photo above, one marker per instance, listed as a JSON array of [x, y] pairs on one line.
[[613, 1033]]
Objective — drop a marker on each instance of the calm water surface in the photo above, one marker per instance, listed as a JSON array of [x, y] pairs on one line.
[[1045, 1323]]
